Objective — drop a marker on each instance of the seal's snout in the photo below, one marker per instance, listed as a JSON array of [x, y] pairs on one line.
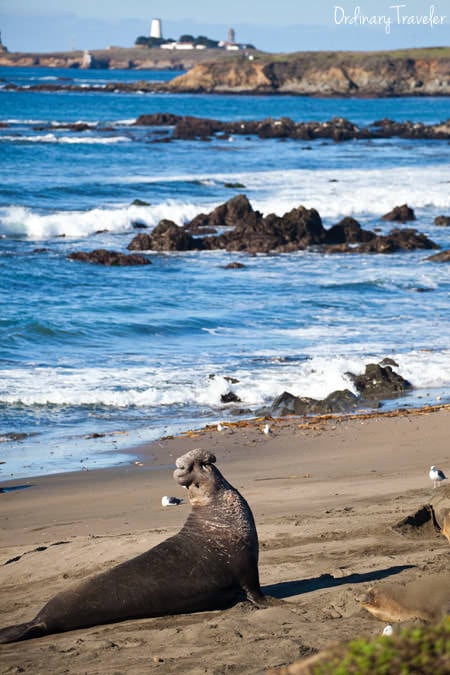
[[365, 597], [187, 464]]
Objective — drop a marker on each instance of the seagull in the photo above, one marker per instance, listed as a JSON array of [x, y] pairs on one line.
[[266, 429], [171, 501], [388, 630], [436, 475], [220, 427]]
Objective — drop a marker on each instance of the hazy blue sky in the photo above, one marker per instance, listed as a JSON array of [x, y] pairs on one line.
[[279, 25]]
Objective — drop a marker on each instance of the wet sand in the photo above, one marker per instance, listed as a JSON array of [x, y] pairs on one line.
[[325, 494]]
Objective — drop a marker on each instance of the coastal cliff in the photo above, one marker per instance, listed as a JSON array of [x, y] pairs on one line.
[[326, 74], [413, 72], [133, 58]]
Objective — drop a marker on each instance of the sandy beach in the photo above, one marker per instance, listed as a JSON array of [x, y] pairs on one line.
[[325, 494]]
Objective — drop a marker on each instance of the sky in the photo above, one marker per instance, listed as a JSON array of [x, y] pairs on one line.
[[273, 26]]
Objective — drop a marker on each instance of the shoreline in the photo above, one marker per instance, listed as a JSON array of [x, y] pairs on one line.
[[140, 453], [325, 495]]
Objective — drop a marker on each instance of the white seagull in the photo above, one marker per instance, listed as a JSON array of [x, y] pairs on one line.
[[221, 427], [266, 429], [436, 475], [388, 630], [171, 501]]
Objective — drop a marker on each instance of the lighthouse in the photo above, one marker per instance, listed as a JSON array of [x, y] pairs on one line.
[[155, 29]]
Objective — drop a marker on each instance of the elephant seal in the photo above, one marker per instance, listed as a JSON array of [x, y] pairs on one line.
[[210, 563], [426, 598]]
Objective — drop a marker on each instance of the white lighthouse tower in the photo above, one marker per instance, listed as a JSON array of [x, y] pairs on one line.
[[155, 29]]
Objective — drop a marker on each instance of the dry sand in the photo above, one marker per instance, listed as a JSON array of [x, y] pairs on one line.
[[324, 493]]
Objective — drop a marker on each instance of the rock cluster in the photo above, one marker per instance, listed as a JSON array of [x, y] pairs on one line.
[[336, 129], [109, 258], [442, 221], [236, 226], [378, 382]]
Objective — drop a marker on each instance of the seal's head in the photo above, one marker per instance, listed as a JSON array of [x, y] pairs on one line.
[[195, 471]]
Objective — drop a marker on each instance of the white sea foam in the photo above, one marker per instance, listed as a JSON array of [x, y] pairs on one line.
[[357, 192], [23, 222], [145, 386], [74, 140]]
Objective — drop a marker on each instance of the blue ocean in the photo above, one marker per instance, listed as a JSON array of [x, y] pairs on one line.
[[96, 360]]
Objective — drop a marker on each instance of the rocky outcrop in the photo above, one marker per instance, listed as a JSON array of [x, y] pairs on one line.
[[400, 214], [443, 256], [253, 233], [337, 402], [243, 229], [348, 231], [402, 73], [397, 240], [101, 256], [167, 236], [337, 129], [442, 221], [379, 382], [326, 74]]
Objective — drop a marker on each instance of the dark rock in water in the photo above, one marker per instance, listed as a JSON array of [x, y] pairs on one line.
[[230, 397], [109, 258], [41, 250], [348, 231], [234, 266], [234, 185], [13, 436], [296, 230], [405, 239], [141, 242], [157, 120], [401, 214], [378, 382], [199, 229], [247, 230], [195, 127], [442, 221], [167, 236], [288, 404], [281, 128], [231, 213], [139, 202], [139, 226], [443, 256], [231, 380], [337, 402], [387, 361]]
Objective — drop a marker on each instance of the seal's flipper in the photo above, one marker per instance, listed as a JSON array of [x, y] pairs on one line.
[[22, 631]]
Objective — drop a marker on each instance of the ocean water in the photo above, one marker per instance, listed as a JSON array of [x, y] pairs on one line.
[[132, 354]]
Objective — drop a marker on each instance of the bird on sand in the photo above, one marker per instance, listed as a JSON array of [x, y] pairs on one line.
[[388, 630], [266, 429], [437, 476], [171, 501]]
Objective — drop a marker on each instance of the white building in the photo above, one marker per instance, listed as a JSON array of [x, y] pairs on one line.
[[155, 29]]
